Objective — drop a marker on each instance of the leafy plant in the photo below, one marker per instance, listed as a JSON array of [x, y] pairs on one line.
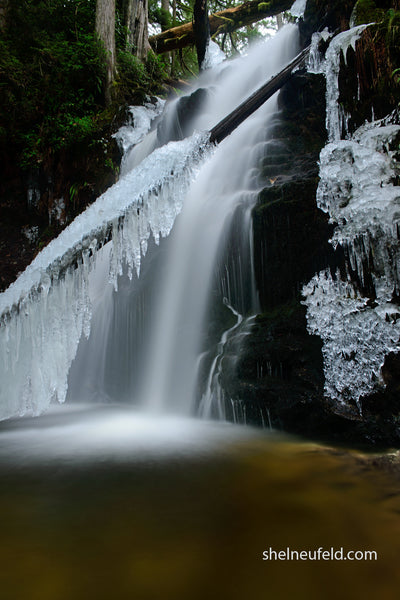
[[51, 74]]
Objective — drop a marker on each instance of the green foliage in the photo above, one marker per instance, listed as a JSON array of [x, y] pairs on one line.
[[121, 31], [131, 69], [160, 16], [51, 75], [139, 78], [185, 62], [392, 23], [52, 70], [365, 11], [237, 41], [156, 66], [396, 75]]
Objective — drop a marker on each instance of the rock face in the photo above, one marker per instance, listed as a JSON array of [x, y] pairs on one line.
[[279, 378], [36, 205]]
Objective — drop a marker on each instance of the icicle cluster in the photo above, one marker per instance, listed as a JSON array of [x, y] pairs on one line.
[[330, 67], [357, 188], [45, 312]]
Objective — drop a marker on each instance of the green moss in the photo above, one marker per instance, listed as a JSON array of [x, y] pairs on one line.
[[51, 74], [366, 11], [392, 26]]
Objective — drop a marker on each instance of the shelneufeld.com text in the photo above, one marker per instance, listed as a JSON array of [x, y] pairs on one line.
[[319, 554]]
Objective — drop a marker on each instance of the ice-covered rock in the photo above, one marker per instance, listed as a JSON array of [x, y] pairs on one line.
[[358, 189]]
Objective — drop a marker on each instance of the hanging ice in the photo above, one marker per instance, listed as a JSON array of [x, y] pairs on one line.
[[357, 188], [330, 67], [213, 57], [298, 8], [44, 313]]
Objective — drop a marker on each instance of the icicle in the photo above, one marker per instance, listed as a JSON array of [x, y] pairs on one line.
[[330, 67], [213, 57], [356, 190], [139, 123], [47, 310]]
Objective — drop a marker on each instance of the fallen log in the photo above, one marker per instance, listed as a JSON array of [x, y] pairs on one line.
[[253, 102], [223, 21]]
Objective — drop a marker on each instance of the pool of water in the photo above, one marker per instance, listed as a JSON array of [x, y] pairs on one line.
[[107, 503]]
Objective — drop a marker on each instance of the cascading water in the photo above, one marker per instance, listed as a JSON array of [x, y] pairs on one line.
[[145, 338], [222, 195]]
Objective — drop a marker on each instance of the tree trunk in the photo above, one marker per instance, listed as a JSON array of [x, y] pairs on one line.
[[224, 21], [201, 29], [165, 8], [173, 53], [3, 13], [105, 29], [136, 22]]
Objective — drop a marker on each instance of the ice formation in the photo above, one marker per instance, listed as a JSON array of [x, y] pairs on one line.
[[44, 313], [357, 188], [330, 67], [298, 8], [139, 122], [213, 57]]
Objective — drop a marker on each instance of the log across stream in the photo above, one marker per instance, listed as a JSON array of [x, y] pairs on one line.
[[253, 102]]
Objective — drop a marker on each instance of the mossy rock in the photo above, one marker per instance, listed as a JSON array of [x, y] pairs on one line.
[[366, 11]]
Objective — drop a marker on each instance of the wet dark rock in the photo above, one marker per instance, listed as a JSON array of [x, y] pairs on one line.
[[278, 380], [335, 15], [290, 233], [391, 372], [369, 86]]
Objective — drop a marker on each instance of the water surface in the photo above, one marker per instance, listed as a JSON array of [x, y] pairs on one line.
[[106, 503]]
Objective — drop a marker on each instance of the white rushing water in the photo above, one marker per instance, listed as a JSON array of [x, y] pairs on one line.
[[226, 183], [49, 308], [358, 190]]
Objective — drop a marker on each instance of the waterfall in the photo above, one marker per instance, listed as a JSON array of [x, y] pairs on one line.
[[138, 338], [222, 195]]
